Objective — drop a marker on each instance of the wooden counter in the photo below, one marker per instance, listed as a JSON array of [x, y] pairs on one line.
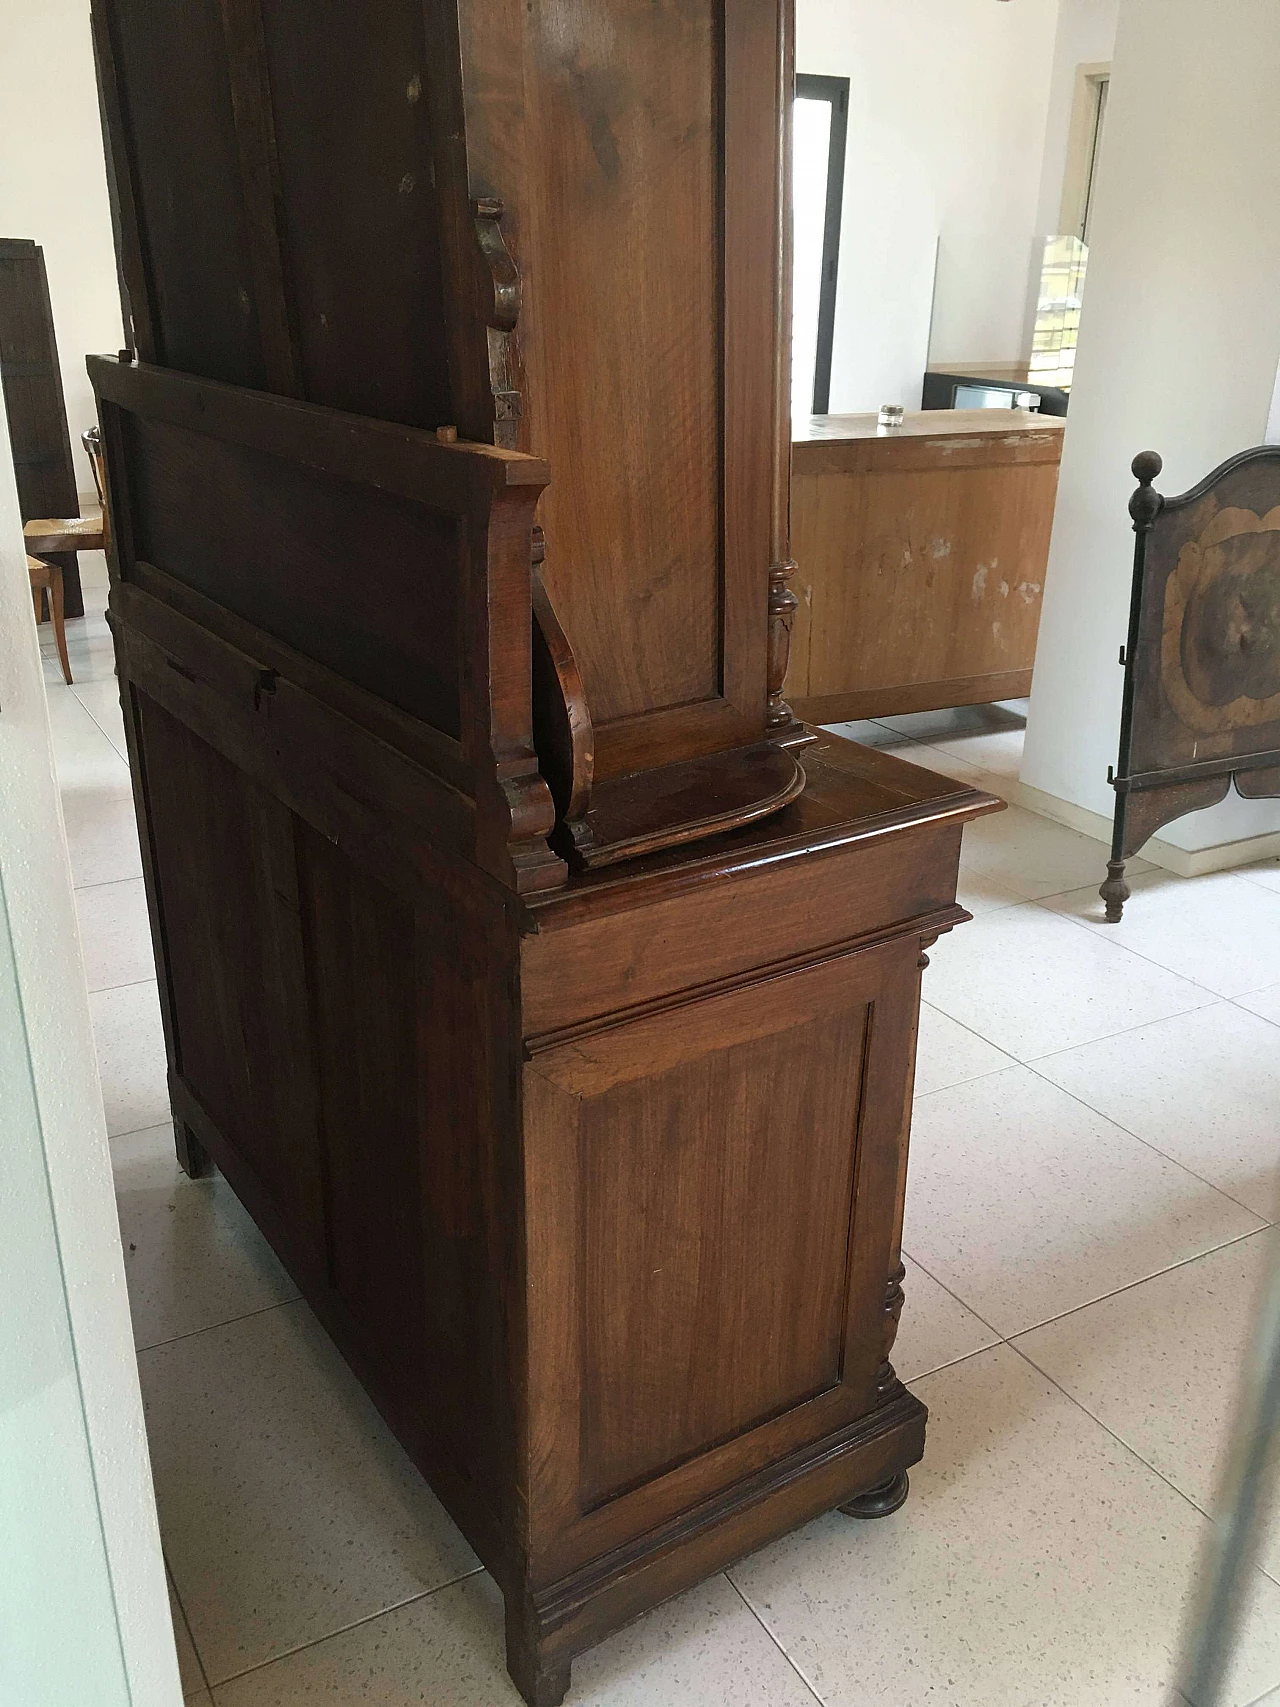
[[922, 553]]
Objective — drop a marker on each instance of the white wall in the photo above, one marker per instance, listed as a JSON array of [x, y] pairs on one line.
[[1179, 341], [1086, 36], [946, 131], [84, 1613], [53, 186]]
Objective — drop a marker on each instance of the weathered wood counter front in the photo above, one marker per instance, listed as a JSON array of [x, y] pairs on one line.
[[922, 553]]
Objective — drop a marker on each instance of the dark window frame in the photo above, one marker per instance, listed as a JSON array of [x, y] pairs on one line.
[[835, 91]]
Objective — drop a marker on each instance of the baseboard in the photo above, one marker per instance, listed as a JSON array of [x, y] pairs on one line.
[[1182, 862]]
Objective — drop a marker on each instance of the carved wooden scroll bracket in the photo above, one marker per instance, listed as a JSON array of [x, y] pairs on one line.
[[500, 310]]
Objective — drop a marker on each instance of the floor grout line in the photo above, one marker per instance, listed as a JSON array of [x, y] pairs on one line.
[[769, 1633], [342, 1630], [173, 1588], [228, 1322]]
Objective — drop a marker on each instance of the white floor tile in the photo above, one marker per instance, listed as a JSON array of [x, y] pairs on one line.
[[102, 834], [1266, 872], [131, 1059], [978, 893], [1264, 1002], [1032, 983], [115, 937], [192, 1256], [1037, 1563], [705, 1649], [949, 1054], [1219, 929], [84, 759], [1160, 1364], [997, 751], [101, 699], [287, 1510], [1031, 855], [189, 1672], [1025, 1204], [1203, 1088], [935, 1329], [868, 733], [951, 721]]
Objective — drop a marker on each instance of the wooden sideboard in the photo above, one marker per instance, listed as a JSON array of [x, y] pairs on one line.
[[546, 991], [922, 552]]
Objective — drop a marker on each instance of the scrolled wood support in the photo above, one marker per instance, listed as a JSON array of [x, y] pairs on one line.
[[499, 308]]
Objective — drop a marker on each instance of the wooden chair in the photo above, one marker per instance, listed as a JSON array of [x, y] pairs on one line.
[[46, 538], [47, 578]]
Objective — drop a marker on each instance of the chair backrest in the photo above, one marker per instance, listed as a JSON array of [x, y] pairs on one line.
[[91, 439]]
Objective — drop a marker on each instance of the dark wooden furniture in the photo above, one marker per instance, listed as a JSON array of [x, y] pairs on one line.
[[1201, 706], [922, 552], [557, 1031], [46, 578], [33, 401]]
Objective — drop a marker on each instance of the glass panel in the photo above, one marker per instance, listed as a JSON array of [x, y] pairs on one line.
[[59, 1640], [983, 397], [810, 164], [1053, 346]]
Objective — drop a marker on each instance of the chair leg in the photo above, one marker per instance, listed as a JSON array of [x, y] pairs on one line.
[[59, 626], [37, 599]]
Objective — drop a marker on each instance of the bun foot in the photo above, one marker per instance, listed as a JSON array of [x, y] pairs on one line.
[[1115, 891], [881, 1501]]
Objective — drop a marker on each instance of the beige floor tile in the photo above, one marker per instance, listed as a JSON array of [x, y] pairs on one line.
[[131, 1059], [101, 699], [935, 1329], [705, 1649], [1037, 1563], [1034, 984], [115, 937], [188, 1665], [1219, 929], [102, 834], [192, 1256], [1033, 856], [1160, 1364], [1026, 1204], [1264, 1002], [287, 1510], [1203, 1088], [949, 1054]]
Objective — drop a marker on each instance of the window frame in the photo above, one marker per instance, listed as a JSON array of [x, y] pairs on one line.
[[835, 91]]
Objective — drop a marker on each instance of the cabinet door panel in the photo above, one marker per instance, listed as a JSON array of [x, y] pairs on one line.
[[711, 1233]]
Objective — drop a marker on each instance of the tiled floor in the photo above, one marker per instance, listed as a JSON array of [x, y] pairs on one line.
[[1092, 1192]]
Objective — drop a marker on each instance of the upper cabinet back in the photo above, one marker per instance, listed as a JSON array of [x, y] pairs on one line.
[[326, 201]]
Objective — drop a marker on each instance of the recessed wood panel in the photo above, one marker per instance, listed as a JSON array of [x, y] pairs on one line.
[[171, 58], [359, 579], [359, 206], [707, 1245], [623, 278]]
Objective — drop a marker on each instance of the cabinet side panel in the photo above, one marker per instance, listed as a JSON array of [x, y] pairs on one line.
[[622, 261], [184, 167], [716, 1225], [352, 131]]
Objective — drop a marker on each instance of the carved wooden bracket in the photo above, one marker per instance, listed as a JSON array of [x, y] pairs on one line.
[[782, 610], [500, 309]]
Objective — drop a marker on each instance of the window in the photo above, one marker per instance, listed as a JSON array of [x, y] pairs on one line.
[[820, 121], [1084, 146]]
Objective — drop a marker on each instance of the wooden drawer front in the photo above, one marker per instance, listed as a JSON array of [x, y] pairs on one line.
[[710, 1212], [596, 966]]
